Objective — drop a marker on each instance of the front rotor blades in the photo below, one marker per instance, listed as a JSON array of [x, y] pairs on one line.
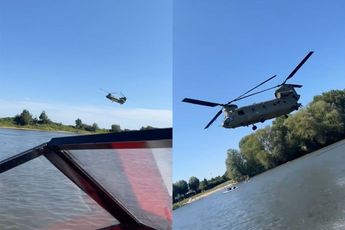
[[213, 119], [200, 102]]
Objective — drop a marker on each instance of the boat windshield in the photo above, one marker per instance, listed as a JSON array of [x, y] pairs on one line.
[[128, 174]]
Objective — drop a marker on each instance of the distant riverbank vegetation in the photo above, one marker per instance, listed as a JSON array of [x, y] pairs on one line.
[[320, 123], [25, 120]]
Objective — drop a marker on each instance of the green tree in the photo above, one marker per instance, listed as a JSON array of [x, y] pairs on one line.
[[253, 153], [203, 185], [329, 124], [279, 133], [182, 187], [235, 166], [336, 98], [176, 192], [34, 121], [193, 183], [25, 118], [95, 126], [43, 118], [78, 124], [115, 128], [216, 181]]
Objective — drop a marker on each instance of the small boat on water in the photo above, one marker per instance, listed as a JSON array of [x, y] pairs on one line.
[[230, 189]]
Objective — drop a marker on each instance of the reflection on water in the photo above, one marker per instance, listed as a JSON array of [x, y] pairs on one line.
[[308, 193], [36, 195]]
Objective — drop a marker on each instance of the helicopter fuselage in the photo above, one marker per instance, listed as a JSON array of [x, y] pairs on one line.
[[284, 103], [120, 100]]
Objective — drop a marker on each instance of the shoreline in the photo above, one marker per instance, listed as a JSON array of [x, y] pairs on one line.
[[204, 194], [31, 129]]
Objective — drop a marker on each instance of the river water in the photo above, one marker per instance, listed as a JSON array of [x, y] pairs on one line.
[[307, 193], [36, 195]]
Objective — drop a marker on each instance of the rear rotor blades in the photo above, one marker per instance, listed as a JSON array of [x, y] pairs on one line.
[[298, 66], [283, 83]]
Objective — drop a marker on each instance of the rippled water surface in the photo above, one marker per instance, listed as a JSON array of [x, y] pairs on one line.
[[36, 195], [308, 193]]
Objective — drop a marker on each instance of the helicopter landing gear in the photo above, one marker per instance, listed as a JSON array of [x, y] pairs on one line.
[[254, 127]]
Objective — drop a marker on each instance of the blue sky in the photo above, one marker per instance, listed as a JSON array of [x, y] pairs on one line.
[[223, 48], [56, 55]]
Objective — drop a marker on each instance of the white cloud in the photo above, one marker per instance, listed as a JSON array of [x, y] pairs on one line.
[[133, 118]]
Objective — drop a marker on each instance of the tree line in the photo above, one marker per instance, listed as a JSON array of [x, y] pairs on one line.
[[183, 189], [25, 118]]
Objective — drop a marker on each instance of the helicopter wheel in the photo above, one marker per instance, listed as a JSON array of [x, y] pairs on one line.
[[286, 116], [254, 127]]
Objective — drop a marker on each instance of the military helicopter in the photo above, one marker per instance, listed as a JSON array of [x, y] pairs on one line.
[[121, 100], [286, 101]]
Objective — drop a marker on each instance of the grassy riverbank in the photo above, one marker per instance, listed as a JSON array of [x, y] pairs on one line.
[[51, 127], [203, 194]]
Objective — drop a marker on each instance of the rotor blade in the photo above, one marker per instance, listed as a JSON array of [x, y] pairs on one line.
[[261, 91], [103, 90], [199, 102], [252, 94], [294, 85], [241, 96], [213, 119], [298, 66]]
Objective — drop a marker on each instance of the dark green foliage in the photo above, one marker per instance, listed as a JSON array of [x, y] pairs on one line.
[[193, 183], [213, 182], [147, 127], [44, 123], [78, 123], [95, 126], [180, 188], [43, 118], [35, 121], [25, 118], [235, 166], [279, 141], [319, 124], [203, 185], [175, 192], [115, 128], [87, 127]]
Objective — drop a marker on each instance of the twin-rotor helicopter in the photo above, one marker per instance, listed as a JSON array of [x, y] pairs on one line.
[[286, 101], [121, 99]]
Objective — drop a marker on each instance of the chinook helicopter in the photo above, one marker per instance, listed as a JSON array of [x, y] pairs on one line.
[[121, 100], [286, 101]]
